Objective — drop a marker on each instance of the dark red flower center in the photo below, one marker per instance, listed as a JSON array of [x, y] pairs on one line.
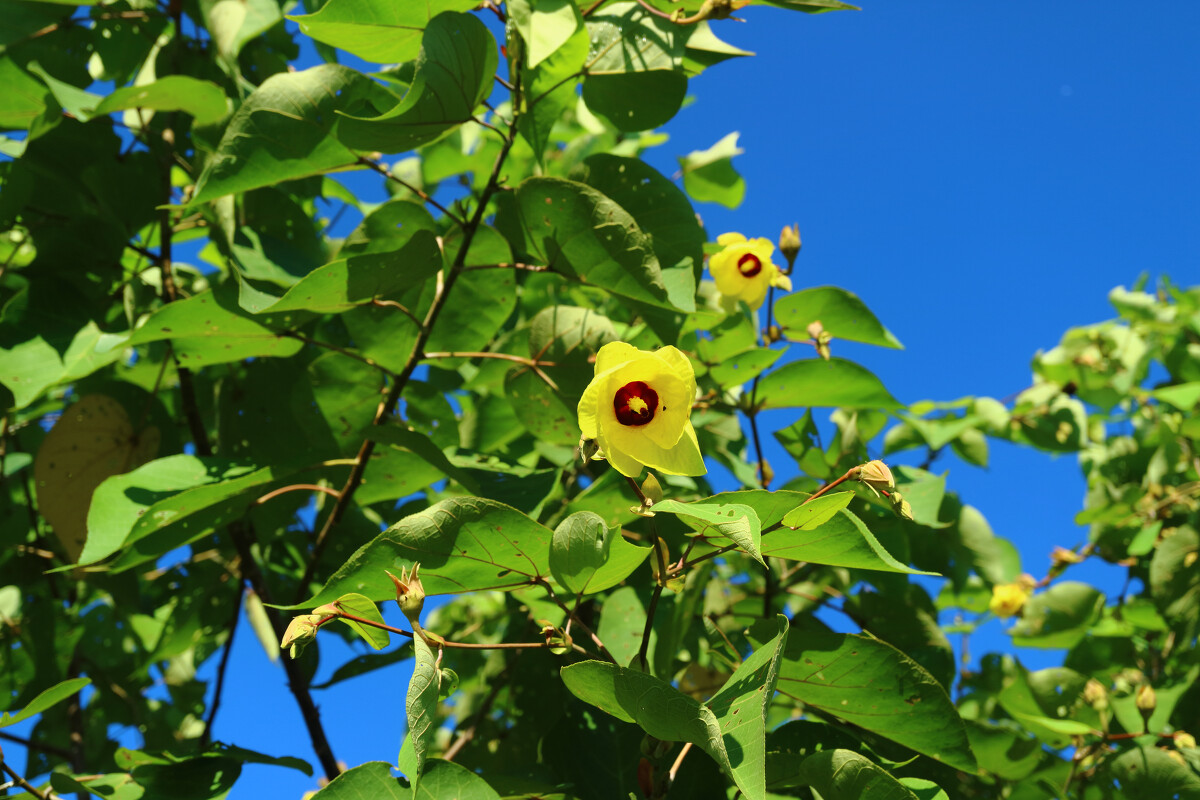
[[749, 265], [635, 403]]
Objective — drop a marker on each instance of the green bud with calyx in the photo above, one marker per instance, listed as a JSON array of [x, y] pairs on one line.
[[876, 475], [410, 594], [789, 244], [1146, 703], [559, 641], [901, 507], [300, 631], [652, 489]]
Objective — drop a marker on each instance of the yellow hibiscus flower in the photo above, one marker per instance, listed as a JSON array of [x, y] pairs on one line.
[[1008, 599], [638, 409], [744, 271]]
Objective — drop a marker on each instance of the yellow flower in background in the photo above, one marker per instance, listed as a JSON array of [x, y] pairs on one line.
[[744, 270], [1008, 599], [638, 408]]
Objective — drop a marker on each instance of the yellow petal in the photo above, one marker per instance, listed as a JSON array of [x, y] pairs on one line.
[[726, 239], [681, 366], [589, 406], [781, 281], [621, 461], [614, 354]]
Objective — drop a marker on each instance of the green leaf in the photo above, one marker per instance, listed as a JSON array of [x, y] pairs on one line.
[[1145, 772], [660, 209], [168, 498], [363, 608], [1059, 616], [212, 328], [545, 25], [1183, 396], [550, 92], [52, 696], [422, 446], [464, 544], [622, 622], [709, 176], [817, 512], [373, 779], [204, 100], [484, 299], [375, 30], [1174, 582], [718, 522], [741, 708], [636, 101], [28, 369], [845, 775], [454, 74], [443, 780], [873, 685], [840, 312], [812, 6], [741, 368], [74, 101], [286, 129], [540, 409], [233, 23], [1006, 753], [1049, 704], [252, 757], [656, 707], [421, 706], [587, 556], [841, 541], [816, 382], [625, 37], [205, 778], [360, 279], [24, 99], [584, 234]]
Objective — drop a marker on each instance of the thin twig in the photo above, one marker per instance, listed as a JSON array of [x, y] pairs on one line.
[[425, 197], [687, 748], [19, 780], [370, 362], [401, 382], [61, 752], [529, 362], [296, 487], [206, 737]]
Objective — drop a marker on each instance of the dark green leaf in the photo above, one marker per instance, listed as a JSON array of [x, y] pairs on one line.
[[873, 685], [582, 233], [454, 74], [845, 775], [587, 556], [421, 706], [285, 130], [463, 544], [636, 101], [371, 780]]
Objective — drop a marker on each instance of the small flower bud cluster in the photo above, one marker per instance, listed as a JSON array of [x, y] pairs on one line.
[[410, 594]]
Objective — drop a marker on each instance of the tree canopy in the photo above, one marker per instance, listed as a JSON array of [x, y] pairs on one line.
[[494, 402]]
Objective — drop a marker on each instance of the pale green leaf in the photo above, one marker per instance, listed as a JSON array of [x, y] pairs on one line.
[[52, 696], [421, 706], [816, 382], [709, 176], [382, 31], [840, 313], [817, 512], [204, 100]]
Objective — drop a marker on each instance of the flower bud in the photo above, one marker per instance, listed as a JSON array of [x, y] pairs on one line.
[[1061, 557], [1095, 695], [1183, 739], [1146, 701], [877, 476], [1008, 599], [789, 243], [901, 506], [410, 594], [300, 631]]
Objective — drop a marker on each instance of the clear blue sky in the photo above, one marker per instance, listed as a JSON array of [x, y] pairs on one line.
[[980, 174]]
